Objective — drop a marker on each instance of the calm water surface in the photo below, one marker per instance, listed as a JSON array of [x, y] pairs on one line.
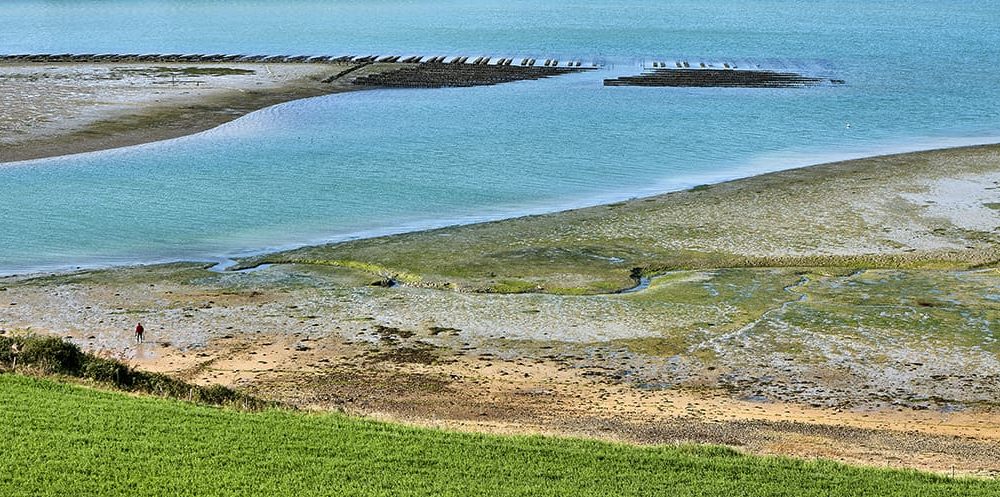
[[365, 163]]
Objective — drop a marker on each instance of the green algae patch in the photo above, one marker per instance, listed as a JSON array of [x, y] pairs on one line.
[[514, 286], [848, 215], [375, 269]]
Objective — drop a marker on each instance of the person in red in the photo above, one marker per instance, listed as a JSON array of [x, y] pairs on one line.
[[139, 330]]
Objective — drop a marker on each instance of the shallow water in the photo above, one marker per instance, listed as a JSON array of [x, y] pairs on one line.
[[351, 165]]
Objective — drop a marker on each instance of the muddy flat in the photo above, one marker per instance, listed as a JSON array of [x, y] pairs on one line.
[[846, 311]]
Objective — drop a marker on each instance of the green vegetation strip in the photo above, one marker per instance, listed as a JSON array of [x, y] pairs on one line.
[[53, 356], [61, 439]]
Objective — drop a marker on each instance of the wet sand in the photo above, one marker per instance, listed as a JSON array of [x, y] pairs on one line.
[[67, 108]]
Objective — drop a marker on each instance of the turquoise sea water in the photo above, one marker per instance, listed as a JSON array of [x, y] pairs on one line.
[[341, 166]]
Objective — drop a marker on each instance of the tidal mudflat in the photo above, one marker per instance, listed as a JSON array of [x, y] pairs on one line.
[[844, 311]]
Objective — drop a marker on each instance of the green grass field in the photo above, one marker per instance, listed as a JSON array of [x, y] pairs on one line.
[[62, 439]]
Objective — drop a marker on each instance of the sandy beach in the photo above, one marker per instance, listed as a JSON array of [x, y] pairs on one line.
[[844, 311]]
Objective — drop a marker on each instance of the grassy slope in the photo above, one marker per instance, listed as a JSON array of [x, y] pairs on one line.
[[67, 440]]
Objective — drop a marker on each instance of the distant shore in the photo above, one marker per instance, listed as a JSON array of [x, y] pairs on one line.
[[91, 107], [64, 108]]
